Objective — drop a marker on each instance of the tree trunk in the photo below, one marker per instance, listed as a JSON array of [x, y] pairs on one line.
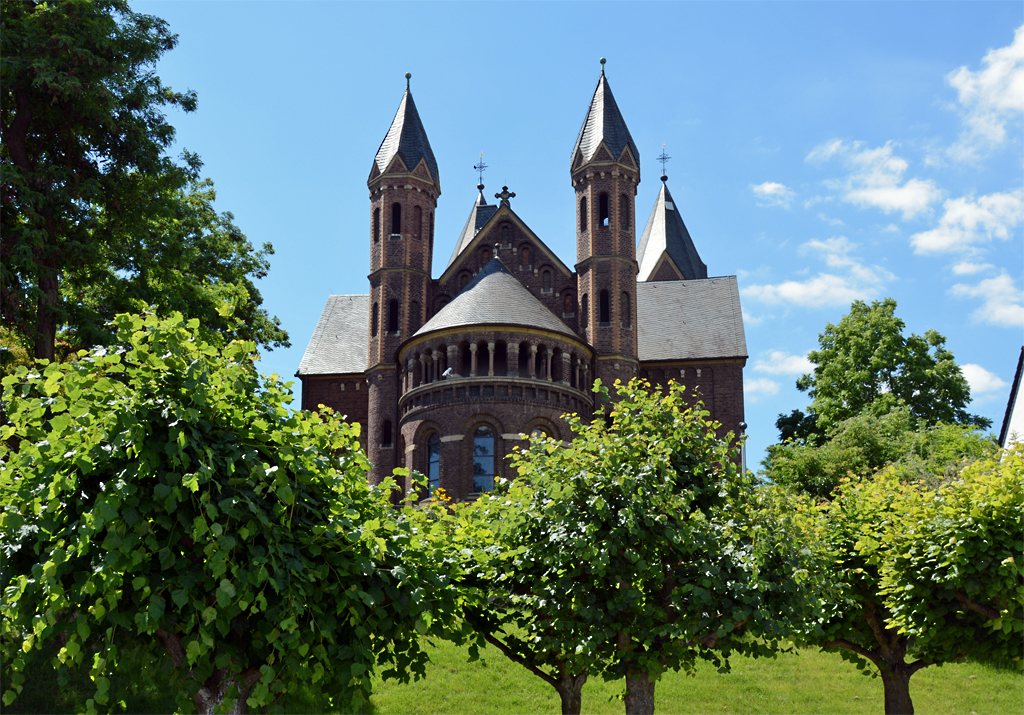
[[46, 313], [896, 680], [214, 690], [570, 690], [639, 694]]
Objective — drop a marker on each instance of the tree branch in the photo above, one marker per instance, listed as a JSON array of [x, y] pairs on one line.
[[981, 608], [512, 655], [843, 643]]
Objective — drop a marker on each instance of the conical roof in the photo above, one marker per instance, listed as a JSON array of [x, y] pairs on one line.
[[479, 215], [407, 139], [666, 233], [604, 122], [495, 297]]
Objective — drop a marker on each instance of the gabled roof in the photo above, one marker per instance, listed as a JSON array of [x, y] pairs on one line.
[[689, 320], [339, 342], [604, 123], [495, 297], [666, 233], [479, 215], [407, 139]]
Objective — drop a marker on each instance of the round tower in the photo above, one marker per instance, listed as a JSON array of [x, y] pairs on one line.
[[404, 186], [605, 172]]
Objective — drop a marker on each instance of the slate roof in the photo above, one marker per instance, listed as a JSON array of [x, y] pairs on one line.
[[689, 320], [604, 122], [340, 340], [666, 232], [495, 297], [408, 139], [479, 215]]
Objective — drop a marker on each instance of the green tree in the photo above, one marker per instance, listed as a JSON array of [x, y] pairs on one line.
[[83, 156], [866, 363], [863, 444], [881, 610], [640, 548], [160, 495]]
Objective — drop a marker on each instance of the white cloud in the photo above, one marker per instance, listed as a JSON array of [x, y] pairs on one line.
[[990, 97], [814, 200], [831, 221], [876, 178], [760, 387], [981, 380], [771, 193], [780, 363], [1003, 304], [967, 222], [751, 319], [891, 228], [966, 268], [854, 281]]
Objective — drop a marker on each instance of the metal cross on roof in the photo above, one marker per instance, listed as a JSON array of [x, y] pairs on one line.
[[663, 159], [505, 195], [481, 168]]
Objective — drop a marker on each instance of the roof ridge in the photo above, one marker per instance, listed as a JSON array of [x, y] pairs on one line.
[[604, 123], [407, 139]]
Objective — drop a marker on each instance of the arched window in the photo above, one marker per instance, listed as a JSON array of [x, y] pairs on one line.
[[602, 209], [524, 257], [434, 462], [626, 315], [393, 316], [570, 305], [463, 280], [483, 459], [585, 308], [604, 308], [396, 220], [583, 214], [506, 233], [376, 225], [546, 276], [374, 320], [417, 221], [414, 317], [431, 230], [385, 434], [485, 256], [624, 211]]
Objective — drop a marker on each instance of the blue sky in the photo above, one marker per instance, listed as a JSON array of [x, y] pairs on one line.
[[822, 152]]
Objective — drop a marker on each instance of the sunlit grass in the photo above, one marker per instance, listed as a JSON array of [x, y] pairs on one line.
[[804, 682]]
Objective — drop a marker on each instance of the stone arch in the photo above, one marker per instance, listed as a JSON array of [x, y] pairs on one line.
[[396, 220], [500, 358], [525, 255], [524, 358], [549, 427]]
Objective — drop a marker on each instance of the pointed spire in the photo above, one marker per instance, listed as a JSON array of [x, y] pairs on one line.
[[407, 138], [666, 236], [604, 123], [479, 215]]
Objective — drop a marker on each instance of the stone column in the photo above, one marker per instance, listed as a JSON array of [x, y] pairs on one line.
[[547, 367], [513, 360], [436, 366], [410, 370], [472, 360], [533, 361], [577, 375], [424, 375], [453, 357], [490, 358], [566, 359]]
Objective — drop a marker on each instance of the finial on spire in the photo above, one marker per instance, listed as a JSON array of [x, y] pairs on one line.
[[408, 76], [663, 159], [505, 195], [480, 168], [603, 60]]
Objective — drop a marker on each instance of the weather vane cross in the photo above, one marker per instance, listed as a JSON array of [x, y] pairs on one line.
[[663, 159], [481, 168]]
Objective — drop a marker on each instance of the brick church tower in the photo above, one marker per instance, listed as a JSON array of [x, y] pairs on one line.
[[605, 173], [449, 376], [404, 186]]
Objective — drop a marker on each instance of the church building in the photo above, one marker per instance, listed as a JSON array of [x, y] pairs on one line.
[[449, 375]]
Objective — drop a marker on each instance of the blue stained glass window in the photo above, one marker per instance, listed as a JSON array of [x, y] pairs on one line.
[[483, 460], [434, 462]]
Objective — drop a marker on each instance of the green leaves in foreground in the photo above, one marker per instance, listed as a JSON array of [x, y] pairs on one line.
[[162, 493]]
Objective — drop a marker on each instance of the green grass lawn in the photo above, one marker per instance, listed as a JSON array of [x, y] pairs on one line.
[[807, 682]]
